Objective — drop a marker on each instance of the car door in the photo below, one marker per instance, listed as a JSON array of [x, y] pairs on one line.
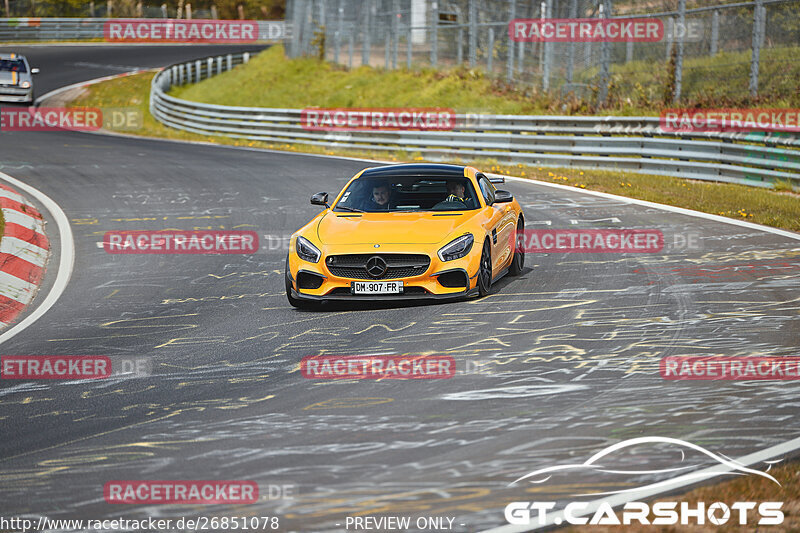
[[494, 219], [500, 225]]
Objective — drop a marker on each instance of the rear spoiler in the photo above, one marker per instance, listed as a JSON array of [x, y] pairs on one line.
[[494, 178]]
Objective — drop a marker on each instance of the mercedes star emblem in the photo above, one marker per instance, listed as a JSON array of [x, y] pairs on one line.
[[376, 266]]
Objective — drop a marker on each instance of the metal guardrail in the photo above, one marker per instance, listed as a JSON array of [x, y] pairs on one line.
[[634, 144], [83, 29]]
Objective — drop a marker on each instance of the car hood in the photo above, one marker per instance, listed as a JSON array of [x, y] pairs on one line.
[[388, 228], [8, 78]]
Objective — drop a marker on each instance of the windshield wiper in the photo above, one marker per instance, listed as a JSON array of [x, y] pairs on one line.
[[353, 209]]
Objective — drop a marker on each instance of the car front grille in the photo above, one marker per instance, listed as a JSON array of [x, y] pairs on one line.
[[13, 89], [354, 266]]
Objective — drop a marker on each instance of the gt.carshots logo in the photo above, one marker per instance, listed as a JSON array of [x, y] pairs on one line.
[[615, 461], [659, 514]]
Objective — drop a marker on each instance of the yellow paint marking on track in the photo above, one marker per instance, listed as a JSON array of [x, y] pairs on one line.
[[387, 328], [546, 308], [88, 437], [347, 403], [183, 341]]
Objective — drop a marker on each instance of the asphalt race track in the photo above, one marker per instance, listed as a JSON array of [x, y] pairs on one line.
[[564, 359]]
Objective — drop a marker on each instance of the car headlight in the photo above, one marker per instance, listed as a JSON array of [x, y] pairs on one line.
[[306, 250], [25, 84], [457, 248]]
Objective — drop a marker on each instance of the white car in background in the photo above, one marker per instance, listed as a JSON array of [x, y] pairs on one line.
[[16, 79]]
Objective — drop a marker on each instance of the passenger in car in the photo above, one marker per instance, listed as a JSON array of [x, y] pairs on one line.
[[457, 192]]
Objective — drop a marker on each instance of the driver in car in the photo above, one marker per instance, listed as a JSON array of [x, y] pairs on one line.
[[379, 201]]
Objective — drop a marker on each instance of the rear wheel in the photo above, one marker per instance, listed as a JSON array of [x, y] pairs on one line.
[[485, 271], [518, 261]]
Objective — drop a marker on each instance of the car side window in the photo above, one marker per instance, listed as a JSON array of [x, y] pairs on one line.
[[486, 189]]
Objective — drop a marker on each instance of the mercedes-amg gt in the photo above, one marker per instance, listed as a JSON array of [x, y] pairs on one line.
[[404, 232]]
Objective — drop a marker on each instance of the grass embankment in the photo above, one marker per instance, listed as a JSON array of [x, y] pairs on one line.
[[643, 88], [270, 80]]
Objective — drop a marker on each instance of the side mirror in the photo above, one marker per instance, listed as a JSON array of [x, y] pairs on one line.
[[321, 198], [501, 196], [34, 71]]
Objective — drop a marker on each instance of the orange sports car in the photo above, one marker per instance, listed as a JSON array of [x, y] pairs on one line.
[[405, 232]]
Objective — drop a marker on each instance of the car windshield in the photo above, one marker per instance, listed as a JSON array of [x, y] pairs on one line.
[[375, 195], [12, 65]]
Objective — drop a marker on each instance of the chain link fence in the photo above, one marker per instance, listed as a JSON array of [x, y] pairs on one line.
[[745, 46]]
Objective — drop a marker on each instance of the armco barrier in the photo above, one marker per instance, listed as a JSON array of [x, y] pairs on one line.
[[634, 144], [27, 29]]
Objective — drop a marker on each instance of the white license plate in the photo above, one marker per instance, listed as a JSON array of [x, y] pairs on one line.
[[376, 287]]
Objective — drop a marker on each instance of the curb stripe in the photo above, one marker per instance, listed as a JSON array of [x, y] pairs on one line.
[[9, 309], [5, 193], [24, 270], [24, 250], [63, 267], [21, 219], [7, 203], [15, 288], [25, 234]]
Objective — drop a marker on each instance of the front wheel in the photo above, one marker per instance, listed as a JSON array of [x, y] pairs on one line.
[[485, 271], [518, 261]]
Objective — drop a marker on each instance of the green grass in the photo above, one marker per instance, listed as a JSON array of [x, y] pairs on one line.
[[272, 80], [719, 81], [762, 206]]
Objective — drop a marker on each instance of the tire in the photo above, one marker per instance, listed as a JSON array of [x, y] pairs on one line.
[[518, 260], [485, 271]]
